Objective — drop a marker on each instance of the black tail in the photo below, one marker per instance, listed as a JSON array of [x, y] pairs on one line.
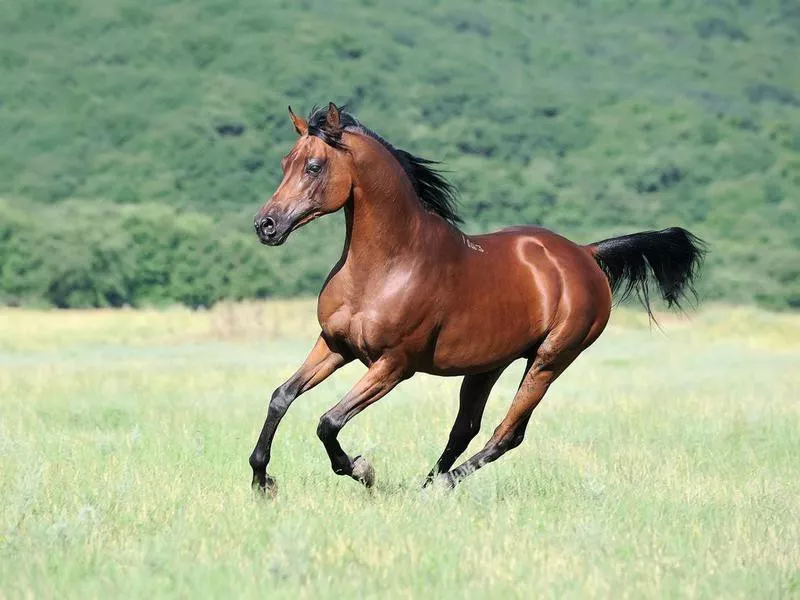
[[673, 256]]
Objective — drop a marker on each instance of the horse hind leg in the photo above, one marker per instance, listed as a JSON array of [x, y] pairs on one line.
[[474, 393], [540, 372]]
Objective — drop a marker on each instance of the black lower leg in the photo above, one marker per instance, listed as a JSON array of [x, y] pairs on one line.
[[381, 377], [259, 459], [474, 393], [319, 365], [550, 360], [327, 431], [357, 468], [493, 450]]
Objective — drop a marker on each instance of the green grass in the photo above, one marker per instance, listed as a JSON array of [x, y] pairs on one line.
[[659, 465]]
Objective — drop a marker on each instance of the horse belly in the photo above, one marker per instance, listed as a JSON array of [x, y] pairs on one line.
[[479, 342]]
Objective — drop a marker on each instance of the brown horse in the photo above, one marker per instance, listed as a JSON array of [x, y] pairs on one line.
[[411, 292]]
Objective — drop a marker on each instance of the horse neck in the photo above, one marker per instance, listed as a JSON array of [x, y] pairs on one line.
[[385, 220]]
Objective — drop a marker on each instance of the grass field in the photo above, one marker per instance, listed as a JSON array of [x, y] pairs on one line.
[[660, 465]]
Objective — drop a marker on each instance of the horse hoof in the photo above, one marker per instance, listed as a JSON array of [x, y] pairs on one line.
[[267, 488], [363, 472], [440, 481]]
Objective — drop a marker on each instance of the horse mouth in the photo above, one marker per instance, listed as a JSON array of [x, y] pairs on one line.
[[274, 241], [302, 219]]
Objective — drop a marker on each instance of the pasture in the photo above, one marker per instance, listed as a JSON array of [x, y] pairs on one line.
[[659, 465]]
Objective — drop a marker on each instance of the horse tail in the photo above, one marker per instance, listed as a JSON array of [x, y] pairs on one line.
[[672, 256]]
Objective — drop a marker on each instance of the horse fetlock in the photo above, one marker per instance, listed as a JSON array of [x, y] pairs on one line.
[[258, 460], [443, 481], [433, 478], [264, 485], [342, 466]]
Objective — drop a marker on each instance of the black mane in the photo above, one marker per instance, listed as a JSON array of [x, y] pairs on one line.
[[435, 193]]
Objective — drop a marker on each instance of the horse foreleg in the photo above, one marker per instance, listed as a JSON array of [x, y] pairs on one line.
[[319, 364], [474, 393], [378, 381]]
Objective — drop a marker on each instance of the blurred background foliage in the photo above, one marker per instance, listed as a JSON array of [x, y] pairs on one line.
[[139, 137]]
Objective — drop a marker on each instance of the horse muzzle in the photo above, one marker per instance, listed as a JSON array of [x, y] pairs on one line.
[[270, 230]]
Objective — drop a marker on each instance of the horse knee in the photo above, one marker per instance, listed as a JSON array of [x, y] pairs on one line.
[[328, 428], [509, 441], [279, 403]]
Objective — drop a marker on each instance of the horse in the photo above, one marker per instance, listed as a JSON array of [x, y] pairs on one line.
[[413, 293]]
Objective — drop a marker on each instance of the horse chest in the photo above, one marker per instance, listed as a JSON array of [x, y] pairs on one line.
[[355, 331], [336, 324], [370, 324]]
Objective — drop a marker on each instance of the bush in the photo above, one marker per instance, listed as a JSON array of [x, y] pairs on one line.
[[94, 255]]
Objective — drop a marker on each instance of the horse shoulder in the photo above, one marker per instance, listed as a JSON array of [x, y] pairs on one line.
[[333, 310]]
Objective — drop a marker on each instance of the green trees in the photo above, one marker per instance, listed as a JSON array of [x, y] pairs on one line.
[[104, 255], [139, 138]]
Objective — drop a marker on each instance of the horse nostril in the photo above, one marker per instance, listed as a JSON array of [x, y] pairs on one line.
[[265, 227], [268, 225]]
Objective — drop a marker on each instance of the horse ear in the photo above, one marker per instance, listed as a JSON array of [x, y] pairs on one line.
[[333, 120], [300, 124]]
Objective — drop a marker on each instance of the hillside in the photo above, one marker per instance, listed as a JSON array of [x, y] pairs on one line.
[[139, 137]]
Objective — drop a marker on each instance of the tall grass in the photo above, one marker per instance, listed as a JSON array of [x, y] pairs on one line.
[[659, 465]]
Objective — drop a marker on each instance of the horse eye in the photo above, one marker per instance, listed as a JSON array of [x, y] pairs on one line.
[[313, 168]]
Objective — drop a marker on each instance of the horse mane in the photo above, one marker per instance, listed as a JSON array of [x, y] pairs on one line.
[[436, 194]]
